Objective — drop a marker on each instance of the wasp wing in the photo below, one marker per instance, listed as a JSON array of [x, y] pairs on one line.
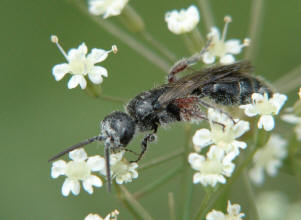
[[187, 84]]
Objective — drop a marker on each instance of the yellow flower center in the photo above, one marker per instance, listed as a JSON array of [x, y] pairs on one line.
[[77, 170]]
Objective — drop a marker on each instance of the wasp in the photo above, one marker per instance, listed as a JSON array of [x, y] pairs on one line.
[[176, 101]]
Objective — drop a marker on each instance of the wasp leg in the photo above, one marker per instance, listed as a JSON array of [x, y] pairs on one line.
[[148, 138], [186, 62], [133, 152], [207, 105]]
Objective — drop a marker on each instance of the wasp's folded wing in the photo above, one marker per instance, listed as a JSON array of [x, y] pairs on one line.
[[187, 84]]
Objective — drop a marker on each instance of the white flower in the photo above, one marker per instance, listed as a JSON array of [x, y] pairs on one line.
[[233, 213], [293, 119], [80, 65], [299, 93], [121, 169], [183, 21], [222, 136], [272, 205], [110, 216], [78, 169], [268, 158], [266, 107], [223, 49], [211, 170], [106, 8]]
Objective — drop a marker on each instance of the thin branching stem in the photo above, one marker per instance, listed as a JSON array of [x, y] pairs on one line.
[[207, 14], [255, 28], [171, 206], [162, 159], [132, 204], [124, 37], [187, 180], [289, 81], [155, 184], [204, 205], [160, 47], [250, 196]]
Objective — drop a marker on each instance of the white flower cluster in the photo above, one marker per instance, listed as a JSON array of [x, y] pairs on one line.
[[81, 166], [268, 158], [265, 107], [218, 163], [106, 8], [223, 49], [233, 213], [81, 65], [111, 216], [183, 21]]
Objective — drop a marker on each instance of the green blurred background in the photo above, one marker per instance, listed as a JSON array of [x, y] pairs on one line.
[[40, 116]]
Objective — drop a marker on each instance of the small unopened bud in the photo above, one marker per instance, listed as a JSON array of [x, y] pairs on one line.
[[247, 42], [227, 19], [54, 39], [114, 49], [299, 93]]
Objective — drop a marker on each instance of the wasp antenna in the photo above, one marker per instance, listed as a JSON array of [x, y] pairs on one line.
[[78, 145], [108, 170]]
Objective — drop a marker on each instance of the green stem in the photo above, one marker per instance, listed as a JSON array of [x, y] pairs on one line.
[[124, 37], [171, 205], [194, 40], [255, 28], [159, 160], [131, 19], [203, 207], [250, 197], [157, 183], [289, 81], [160, 47], [207, 14], [132, 204], [187, 180]]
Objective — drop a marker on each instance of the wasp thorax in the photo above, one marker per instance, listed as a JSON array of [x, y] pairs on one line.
[[119, 128]]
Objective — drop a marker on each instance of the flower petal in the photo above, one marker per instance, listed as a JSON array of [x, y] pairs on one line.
[[233, 46], [78, 155], [278, 100], [291, 118], [195, 160], [240, 128], [70, 185], [92, 180], [97, 55], [96, 74], [257, 175], [96, 163], [74, 81], [227, 59], [58, 168], [93, 217], [267, 122], [197, 178], [60, 70], [208, 58], [215, 215], [250, 110], [202, 138]]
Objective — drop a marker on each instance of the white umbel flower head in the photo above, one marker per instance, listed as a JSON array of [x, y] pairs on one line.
[[266, 107], [222, 136], [78, 169], [213, 168], [106, 8], [225, 50], [233, 213], [111, 216], [293, 119], [81, 65], [268, 158], [183, 21], [122, 170]]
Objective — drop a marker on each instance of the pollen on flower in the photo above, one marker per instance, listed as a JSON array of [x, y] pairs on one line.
[[219, 47], [266, 107], [224, 136], [81, 65], [121, 170], [213, 168], [78, 169]]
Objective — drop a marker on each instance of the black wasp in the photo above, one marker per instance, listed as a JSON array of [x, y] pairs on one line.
[[178, 100]]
